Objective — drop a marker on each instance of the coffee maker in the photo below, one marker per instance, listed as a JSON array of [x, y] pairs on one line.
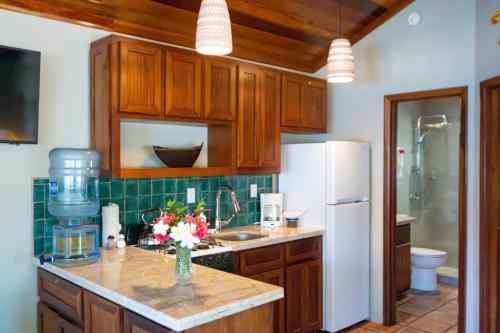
[[271, 209]]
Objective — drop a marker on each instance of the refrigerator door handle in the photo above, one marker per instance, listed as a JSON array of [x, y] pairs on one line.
[[351, 200]]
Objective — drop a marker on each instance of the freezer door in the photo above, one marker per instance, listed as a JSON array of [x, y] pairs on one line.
[[347, 265], [347, 172], [302, 181]]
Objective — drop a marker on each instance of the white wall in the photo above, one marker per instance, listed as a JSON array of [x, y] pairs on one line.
[[64, 121], [396, 58]]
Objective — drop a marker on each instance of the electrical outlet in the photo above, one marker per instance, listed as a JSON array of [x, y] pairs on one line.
[[253, 191], [191, 195]]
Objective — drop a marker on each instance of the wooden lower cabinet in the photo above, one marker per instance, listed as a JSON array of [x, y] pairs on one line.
[[101, 315], [403, 258], [133, 323], [277, 278], [304, 297], [49, 321]]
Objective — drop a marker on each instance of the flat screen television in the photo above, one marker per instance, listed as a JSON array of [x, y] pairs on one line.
[[19, 93]]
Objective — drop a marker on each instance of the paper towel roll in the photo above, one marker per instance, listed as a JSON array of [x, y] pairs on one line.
[[110, 222]]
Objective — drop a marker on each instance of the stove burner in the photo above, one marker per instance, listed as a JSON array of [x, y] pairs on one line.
[[205, 244]]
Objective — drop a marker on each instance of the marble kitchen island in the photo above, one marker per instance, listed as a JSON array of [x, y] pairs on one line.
[[144, 283]]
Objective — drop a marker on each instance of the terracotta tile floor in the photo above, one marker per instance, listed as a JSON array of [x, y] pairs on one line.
[[421, 312]]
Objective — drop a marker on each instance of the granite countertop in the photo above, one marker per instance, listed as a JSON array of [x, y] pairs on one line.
[[144, 282], [276, 235], [404, 219]]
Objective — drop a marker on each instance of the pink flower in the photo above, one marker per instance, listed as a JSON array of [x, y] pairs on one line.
[[162, 238], [201, 231]]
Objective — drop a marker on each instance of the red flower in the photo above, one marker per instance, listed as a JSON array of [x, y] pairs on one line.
[[162, 238], [201, 227]]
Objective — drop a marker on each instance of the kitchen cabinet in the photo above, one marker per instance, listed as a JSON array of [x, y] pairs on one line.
[[133, 323], [258, 121], [297, 266], [304, 297], [140, 78], [303, 106], [403, 258], [183, 84], [219, 89], [49, 321], [101, 315], [275, 277]]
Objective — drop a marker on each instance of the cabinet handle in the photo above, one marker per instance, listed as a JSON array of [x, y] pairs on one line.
[[56, 281], [309, 82]]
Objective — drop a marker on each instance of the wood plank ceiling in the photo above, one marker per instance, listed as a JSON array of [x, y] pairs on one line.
[[294, 34]]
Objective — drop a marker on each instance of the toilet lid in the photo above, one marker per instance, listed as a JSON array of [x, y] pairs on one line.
[[421, 251]]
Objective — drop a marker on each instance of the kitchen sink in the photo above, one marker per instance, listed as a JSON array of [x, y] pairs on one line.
[[241, 236]]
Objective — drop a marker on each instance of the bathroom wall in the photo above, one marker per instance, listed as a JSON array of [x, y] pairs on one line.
[[436, 226]]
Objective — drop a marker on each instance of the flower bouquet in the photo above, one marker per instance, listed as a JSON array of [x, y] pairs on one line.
[[177, 226]]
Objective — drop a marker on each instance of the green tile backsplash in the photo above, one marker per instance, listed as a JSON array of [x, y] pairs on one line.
[[135, 195]]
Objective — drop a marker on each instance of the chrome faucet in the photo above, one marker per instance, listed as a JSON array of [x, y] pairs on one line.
[[219, 223]]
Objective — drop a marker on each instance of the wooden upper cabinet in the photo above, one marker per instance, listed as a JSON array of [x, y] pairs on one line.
[[183, 84], [259, 95], [140, 78], [271, 105], [303, 104], [249, 117], [220, 89]]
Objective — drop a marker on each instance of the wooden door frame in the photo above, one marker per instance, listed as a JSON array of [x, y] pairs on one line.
[[488, 228], [390, 142]]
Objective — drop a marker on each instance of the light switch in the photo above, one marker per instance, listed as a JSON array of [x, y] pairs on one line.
[[191, 195], [253, 191]]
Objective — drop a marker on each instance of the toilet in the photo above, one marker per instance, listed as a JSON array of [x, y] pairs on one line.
[[423, 267]]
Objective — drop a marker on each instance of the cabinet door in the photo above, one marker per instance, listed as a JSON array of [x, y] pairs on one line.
[[183, 84], [403, 267], [313, 109], [277, 278], [304, 297], [133, 323], [220, 89], [291, 100], [140, 78], [101, 315], [270, 114], [67, 327], [249, 124], [48, 320]]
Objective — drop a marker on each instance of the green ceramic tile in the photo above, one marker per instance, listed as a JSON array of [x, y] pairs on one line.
[[38, 181], [39, 246], [47, 213], [49, 244], [203, 183], [242, 195], [251, 206], [104, 202], [250, 218], [268, 181], [261, 181], [213, 184], [157, 186], [145, 186], [252, 179], [131, 218], [225, 181], [169, 185], [257, 217], [131, 187], [46, 191], [144, 202], [120, 201], [169, 197], [48, 226], [38, 193], [104, 190], [117, 188], [242, 182], [180, 185], [38, 228], [192, 182], [158, 200], [131, 204], [38, 210], [181, 197]]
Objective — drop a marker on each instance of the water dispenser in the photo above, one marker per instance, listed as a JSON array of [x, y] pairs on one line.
[[74, 200]]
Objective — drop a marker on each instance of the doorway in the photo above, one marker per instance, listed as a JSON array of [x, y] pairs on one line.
[[430, 173], [490, 210]]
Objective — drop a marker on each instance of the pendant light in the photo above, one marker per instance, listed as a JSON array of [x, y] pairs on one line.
[[213, 30], [340, 67]]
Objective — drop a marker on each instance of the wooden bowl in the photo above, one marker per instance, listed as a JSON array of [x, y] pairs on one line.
[[178, 157]]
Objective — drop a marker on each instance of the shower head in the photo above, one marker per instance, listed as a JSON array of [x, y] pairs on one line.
[[429, 123]]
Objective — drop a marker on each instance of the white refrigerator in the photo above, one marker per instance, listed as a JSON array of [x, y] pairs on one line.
[[331, 182]]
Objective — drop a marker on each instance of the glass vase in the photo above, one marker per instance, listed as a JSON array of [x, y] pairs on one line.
[[183, 265]]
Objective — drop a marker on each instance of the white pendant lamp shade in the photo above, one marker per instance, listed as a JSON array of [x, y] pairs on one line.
[[213, 31], [340, 67]]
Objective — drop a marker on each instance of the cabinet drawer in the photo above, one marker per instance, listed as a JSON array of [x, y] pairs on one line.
[[301, 249], [63, 296], [261, 260], [403, 235]]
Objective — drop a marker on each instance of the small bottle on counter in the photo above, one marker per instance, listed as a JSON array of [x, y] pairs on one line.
[[120, 243], [111, 243]]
